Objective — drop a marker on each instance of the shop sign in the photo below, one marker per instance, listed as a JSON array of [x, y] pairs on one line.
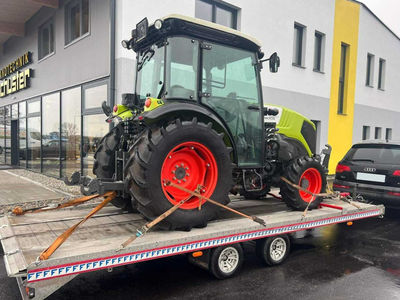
[[13, 78]]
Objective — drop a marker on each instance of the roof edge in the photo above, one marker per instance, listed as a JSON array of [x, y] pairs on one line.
[[380, 21], [214, 26]]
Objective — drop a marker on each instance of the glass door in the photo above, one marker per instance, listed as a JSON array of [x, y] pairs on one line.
[[230, 87]]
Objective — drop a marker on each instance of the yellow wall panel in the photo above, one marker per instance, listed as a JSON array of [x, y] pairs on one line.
[[340, 131]]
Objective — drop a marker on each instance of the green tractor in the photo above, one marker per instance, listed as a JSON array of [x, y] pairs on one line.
[[197, 119]]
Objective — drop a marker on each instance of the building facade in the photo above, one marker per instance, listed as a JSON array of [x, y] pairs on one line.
[[339, 67]]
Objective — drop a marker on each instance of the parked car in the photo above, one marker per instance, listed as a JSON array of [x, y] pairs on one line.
[[372, 170]]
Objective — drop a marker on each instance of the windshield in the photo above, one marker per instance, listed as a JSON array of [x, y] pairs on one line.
[[380, 154], [181, 70], [150, 72]]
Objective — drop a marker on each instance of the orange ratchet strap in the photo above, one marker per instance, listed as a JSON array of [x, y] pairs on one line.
[[20, 211], [64, 236]]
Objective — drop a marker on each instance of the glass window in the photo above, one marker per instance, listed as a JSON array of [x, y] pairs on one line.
[[388, 135], [33, 107], [51, 134], [46, 39], [204, 10], [7, 148], [2, 134], [319, 51], [378, 133], [382, 69], [216, 12], [230, 79], [85, 16], [76, 19], [94, 128], [70, 131], [224, 17], [94, 96], [150, 77], [370, 69], [342, 80], [14, 111], [378, 153], [8, 111], [299, 45], [22, 142], [365, 133], [34, 141], [22, 109], [182, 55]]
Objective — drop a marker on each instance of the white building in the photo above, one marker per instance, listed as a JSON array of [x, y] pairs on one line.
[[339, 67]]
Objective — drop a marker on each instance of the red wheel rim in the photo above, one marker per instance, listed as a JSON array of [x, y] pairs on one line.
[[187, 165], [312, 181]]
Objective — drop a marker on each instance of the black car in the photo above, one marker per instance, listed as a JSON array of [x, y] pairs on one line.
[[372, 170]]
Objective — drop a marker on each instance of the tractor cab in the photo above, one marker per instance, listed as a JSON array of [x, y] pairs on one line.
[[182, 59]]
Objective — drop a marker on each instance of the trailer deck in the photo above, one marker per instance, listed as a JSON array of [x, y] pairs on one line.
[[95, 245]]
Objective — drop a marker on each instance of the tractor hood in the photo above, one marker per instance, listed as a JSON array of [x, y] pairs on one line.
[[294, 125]]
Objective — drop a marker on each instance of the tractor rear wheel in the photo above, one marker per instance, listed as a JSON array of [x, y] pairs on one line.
[[308, 173], [104, 162], [185, 153]]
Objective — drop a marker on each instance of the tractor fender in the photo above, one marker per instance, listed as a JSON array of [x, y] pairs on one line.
[[290, 148], [186, 112]]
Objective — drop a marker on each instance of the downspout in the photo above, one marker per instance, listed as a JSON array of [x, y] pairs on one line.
[[112, 53]]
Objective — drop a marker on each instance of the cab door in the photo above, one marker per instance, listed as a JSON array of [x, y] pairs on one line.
[[230, 87]]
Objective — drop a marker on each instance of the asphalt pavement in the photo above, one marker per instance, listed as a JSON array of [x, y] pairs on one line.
[[336, 262]]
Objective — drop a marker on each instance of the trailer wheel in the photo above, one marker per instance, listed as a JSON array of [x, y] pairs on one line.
[[185, 153], [308, 173], [273, 250], [104, 163], [226, 261]]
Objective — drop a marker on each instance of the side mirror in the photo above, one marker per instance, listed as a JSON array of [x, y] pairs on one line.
[[130, 100], [274, 62], [106, 109]]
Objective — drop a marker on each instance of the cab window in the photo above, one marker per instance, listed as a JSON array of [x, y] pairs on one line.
[[230, 87]]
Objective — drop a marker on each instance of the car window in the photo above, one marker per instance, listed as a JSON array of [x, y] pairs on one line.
[[380, 154]]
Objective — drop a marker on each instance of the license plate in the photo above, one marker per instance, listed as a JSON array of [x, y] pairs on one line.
[[370, 177]]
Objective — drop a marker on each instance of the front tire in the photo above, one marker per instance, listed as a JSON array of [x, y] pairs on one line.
[[308, 173], [187, 154]]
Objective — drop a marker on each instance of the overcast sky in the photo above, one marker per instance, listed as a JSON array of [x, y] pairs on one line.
[[388, 11]]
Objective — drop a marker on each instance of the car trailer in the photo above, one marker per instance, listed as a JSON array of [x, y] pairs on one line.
[[96, 244]]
